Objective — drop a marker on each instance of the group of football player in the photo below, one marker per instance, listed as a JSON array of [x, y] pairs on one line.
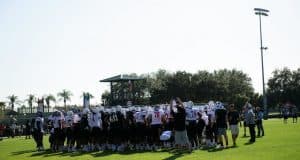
[[126, 128]]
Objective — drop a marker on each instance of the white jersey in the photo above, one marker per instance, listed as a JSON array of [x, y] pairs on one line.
[[76, 118], [205, 118], [212, 115], [50, 118], [156, 117], [39, 123], [168, 114], [69, 121], [140, 117], [191, 115], [95, 120], [57, 120]]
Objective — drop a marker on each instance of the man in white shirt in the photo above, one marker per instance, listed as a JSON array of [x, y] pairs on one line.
[[191, 125], [38, 131], [156, 117], [95, 123]]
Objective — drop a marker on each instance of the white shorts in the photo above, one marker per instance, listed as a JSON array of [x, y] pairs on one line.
[[234, 129]]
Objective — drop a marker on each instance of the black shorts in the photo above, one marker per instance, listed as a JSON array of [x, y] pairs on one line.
[[285, 117], [124, 133], [209, 132], [140, 130], [51, 138], [155, 129], [191, 128], [57, 134], [200, 128], [95, 132], [169, 126], [115, 133], [69, 133], [76, 128]]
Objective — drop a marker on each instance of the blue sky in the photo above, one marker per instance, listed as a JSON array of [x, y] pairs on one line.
[[47, 46]]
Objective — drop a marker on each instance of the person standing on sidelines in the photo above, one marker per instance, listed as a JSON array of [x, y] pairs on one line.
[[181, 138], [259, 123], [244, 113], [27, 129], [285, 113], [233, 118], [294, 114], [250, 121], [39, 131]]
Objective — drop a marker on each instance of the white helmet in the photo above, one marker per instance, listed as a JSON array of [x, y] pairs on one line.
[[119, 108], [70, 113], [86, 111]]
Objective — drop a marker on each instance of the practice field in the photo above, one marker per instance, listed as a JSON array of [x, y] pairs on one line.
[[281, 142]]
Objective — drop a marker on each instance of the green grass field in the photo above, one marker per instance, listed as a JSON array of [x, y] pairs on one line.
[[282, 142]]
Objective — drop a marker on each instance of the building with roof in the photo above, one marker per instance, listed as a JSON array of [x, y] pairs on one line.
[[122, 89]]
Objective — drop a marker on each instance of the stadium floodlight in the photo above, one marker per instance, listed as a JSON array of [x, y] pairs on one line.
[[262, 12]]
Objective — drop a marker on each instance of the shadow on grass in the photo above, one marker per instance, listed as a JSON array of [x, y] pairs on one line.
[[174, 153], [174, 156], [103, 153], [22, 152], [249, 143]]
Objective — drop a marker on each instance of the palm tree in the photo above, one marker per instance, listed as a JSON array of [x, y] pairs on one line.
[[65, 96], [48, 99], [2, 106], [12, 101], [30, 100], [87, 94]]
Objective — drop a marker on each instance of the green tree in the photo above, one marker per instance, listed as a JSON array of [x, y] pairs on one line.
[[65, 95], [48, 99], [105, 97], [158, 89], [31, 98], [13, 99], [284, 86]]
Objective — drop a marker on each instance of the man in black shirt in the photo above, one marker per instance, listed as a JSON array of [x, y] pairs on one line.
[[233, 118], [221, 122], [181, 138]]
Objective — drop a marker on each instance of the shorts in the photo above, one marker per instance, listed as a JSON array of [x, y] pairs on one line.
[[69, 133], [156, 128], [245, 124], [192, 129], [209, 132], [221, 131], [181, 138], [234, 129], [140, 130], [95, 132]]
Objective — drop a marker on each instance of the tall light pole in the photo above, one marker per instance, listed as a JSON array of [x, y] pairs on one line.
[[262, 12]]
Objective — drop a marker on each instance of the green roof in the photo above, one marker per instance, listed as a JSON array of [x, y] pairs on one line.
[[121, 77]]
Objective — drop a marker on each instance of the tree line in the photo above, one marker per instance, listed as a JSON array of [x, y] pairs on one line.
[[229, 86], [64, 96]]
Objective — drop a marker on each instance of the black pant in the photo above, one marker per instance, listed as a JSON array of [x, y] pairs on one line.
[[260, 128], [252, 132], [38, 137]]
